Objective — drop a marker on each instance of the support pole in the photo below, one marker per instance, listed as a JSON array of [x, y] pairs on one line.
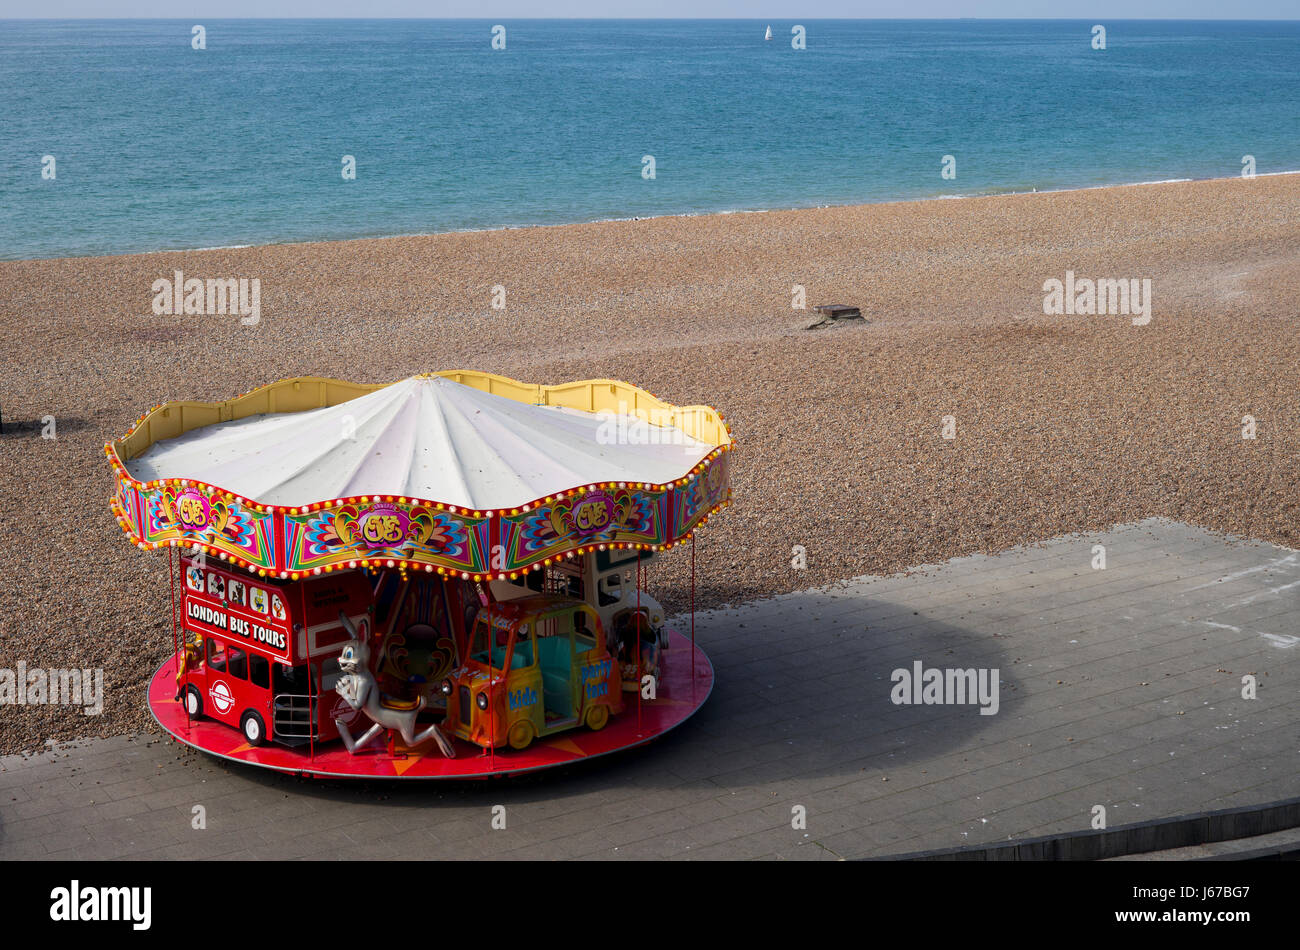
[[178, 658], [637, 646], [171, 579], [313, 712]]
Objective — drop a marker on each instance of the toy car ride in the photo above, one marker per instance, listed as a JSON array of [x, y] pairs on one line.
[[535, 666]]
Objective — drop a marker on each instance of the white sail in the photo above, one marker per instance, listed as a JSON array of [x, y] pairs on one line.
[[769, 34]]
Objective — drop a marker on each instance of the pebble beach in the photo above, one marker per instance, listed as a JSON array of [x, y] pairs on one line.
[[958, 418]]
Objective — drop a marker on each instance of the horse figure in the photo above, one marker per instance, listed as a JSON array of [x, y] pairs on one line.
[[358, 688]]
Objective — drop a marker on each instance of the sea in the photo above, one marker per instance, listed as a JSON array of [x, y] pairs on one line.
[[120, 136]]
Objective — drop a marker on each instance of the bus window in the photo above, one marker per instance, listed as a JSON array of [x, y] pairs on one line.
[[610, 590], [238, 664], [330, 673], [259, 670], [216, 656], [290, 679]]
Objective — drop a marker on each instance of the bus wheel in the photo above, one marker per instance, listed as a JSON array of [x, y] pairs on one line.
[[253, 727], [193, 702], [597, 716], [520, 735]]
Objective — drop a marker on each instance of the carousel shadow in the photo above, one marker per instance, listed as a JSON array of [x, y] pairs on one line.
[[789, 702]]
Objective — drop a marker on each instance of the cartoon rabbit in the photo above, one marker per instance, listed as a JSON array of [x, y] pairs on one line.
[[358, 687]]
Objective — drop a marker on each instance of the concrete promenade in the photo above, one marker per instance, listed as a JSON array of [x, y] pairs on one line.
[[1119, 688]]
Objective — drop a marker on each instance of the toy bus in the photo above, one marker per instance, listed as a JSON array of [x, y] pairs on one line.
[[262, 655]]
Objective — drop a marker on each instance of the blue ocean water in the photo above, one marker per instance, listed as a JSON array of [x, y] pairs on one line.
[[160, 146]]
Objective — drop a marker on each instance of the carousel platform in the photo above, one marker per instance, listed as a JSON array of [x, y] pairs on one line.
[[679, 696]]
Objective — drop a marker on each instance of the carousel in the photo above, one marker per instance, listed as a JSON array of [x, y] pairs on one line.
[[439, 578]]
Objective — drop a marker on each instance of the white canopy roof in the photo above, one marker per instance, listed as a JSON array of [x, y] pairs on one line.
[[425, 437]]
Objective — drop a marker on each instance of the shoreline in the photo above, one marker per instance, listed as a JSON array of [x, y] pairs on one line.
[[656, 217]]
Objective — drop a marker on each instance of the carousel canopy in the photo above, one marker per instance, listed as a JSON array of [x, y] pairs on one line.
[[423, 437], [461, 472]]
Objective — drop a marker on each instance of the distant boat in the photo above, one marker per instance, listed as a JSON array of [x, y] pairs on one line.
[[769, 33]]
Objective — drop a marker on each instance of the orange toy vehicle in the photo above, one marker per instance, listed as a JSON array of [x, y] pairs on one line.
[[535, 666]]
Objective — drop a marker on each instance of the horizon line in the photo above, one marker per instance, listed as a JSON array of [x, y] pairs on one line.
[[188, 19]]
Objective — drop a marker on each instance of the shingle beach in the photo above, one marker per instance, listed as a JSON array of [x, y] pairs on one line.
[[1060, 423]]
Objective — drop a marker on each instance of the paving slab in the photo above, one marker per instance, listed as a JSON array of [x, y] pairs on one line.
[[1118, 688]]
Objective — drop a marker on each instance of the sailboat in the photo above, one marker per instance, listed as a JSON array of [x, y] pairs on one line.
[[769, 33]]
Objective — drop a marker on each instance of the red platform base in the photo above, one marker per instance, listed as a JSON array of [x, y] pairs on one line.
[[676, 701]]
